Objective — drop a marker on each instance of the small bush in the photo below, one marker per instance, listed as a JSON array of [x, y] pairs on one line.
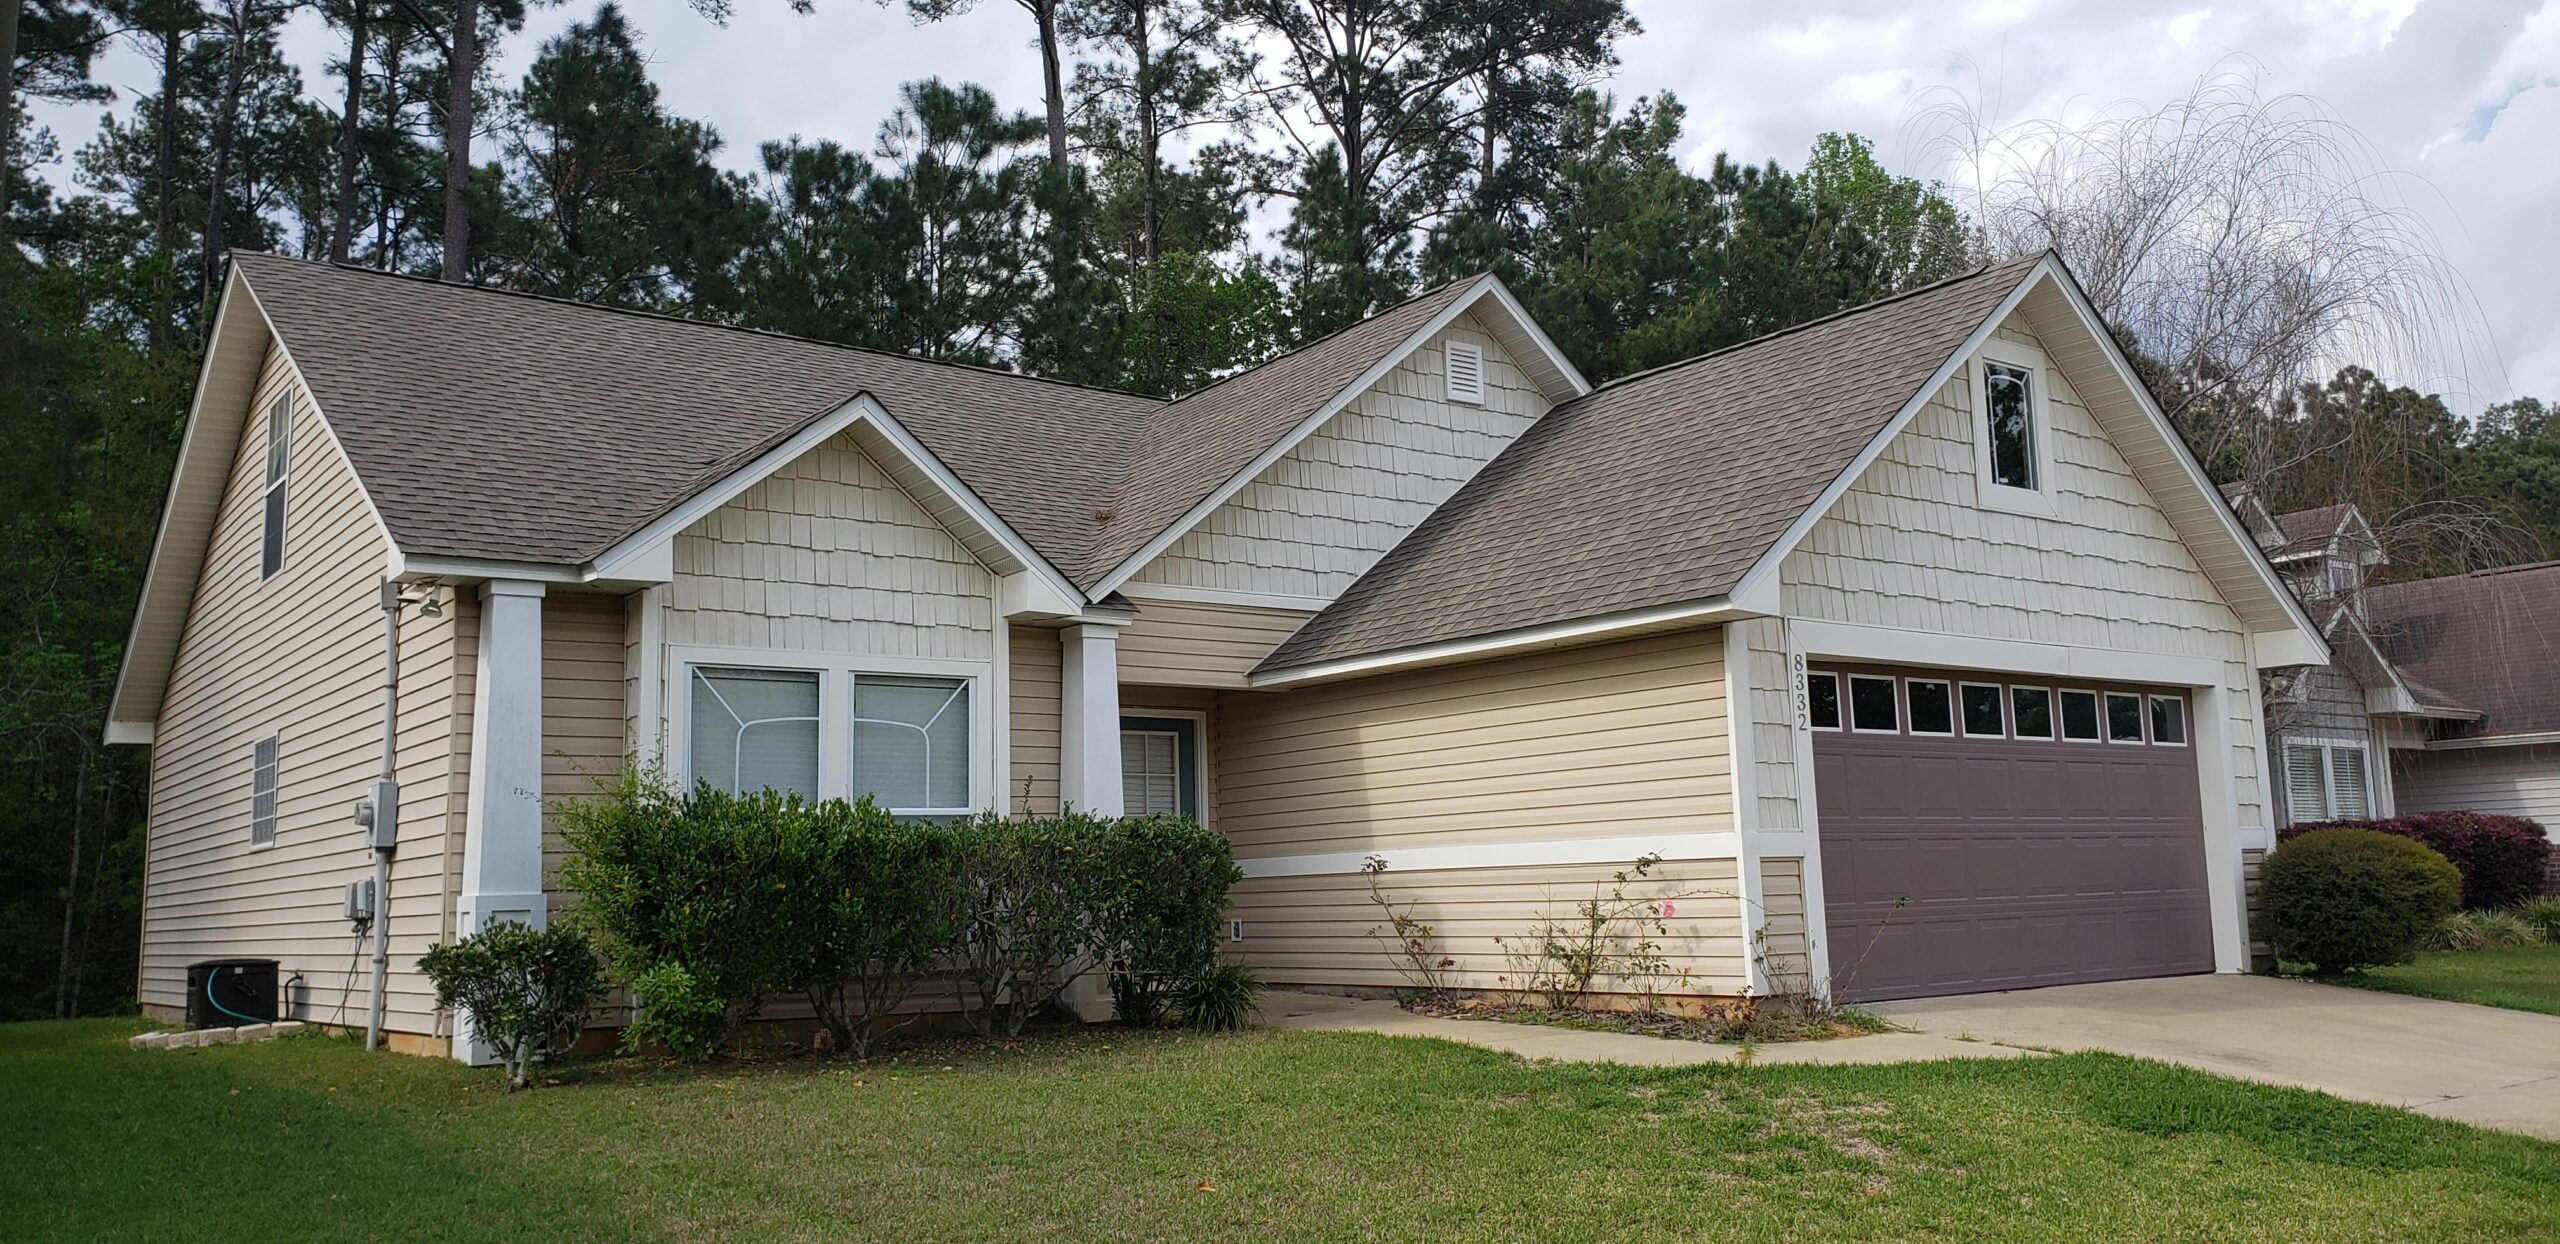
[[2503, 859], [2345, 899], [2543, 914], [1158, 901], [1024, 903], [2485, 930], [1220, 998], [671, 1008], [524, 991]]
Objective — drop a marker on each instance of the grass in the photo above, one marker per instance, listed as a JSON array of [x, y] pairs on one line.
[[1258, 1135], [2519, 978]]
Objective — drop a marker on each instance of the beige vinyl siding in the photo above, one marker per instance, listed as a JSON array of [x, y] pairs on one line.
[[1033, 671], [2514, 781], [1783, 945], [1318, 931], [1330, 507], [830, 555], [1185, 644], [299, 657], [1910, 547], [583, 669]]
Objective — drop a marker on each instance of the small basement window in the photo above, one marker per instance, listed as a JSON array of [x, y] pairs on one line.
[[2031, 712], [1466, 372], [1822, 701], [1871, 705], [2080, 716], [1931, 712]]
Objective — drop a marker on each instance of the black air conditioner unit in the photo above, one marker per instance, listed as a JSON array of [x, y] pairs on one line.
[[226, 993]]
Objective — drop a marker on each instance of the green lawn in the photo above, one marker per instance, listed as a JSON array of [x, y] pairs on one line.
[[2522, 978], [1264, 1135]]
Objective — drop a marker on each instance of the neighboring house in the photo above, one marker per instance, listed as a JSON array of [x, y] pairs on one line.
[[2444, 694], [1911, 640]]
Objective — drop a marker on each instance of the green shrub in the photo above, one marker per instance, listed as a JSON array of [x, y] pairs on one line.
[[2485, 930], [524, 992], [894, 915], [1158, 900], [671, 1008], [1220, 997], [1026, 889], [2543, 914], [2345, 899]]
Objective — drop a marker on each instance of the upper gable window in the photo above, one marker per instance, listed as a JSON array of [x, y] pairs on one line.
[[1466, 372], [279, 466], [2012, 430]]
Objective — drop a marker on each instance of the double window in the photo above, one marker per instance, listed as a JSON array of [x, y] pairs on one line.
[[911, 740], [279, 466], [2326, 781]]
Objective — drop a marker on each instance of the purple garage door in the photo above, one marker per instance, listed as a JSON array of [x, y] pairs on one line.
[[1981, 832]]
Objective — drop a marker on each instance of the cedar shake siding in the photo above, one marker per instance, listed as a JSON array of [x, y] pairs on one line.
[[298, 657]]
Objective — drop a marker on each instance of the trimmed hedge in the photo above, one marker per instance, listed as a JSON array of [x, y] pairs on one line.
[[712, 903], [2503, 859], [2346, 899]]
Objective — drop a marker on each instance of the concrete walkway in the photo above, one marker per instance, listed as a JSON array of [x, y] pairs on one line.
[[1327, 1013], [2477, 1064]]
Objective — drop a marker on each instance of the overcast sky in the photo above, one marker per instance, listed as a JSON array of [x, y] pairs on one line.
[[2463, 96]]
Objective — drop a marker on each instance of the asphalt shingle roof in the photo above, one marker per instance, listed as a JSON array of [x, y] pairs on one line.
[[2488, 640], [1658, 489]]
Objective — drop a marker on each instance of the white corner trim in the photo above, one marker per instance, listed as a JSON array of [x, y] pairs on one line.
[[1221, 596], [1485, 287], [1714, 608], [1707, 846]]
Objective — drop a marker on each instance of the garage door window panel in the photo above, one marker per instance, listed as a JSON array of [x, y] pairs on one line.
[[1822, 701], [1983, 716], [2124, 718], [2080, 716], [1932, 711], [2168, 721], [2031, 712], [1872, 707]]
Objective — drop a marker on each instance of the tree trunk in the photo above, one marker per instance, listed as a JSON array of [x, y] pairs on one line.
[[225, 132], [342, 225], [1492, 123], [1045, 12], [164, 176], [463, 70], [8, 99], [1150, 139], [65, 993]]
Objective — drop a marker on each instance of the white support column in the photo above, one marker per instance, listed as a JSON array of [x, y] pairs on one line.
[[1089, 718], [502, 834]]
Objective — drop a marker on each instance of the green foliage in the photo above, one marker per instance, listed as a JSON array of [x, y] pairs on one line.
[[2485, 930], [1157, 900], [893, 913], [2345, 899], [2543, 914], [1221, 998], [525, 992], [671, 1008]]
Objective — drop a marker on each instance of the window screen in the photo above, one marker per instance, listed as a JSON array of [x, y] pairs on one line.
[[2306, 784], [755, 729], [2009, 400], [911, 742], [2031, 712], [2080, 715], [2168, 719], [1982, 716], [262, 793], [1822, 701], [1931, 711], [1871, 704], [2124, 718]]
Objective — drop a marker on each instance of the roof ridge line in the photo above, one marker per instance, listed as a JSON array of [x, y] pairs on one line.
[[1818, 321], [664, 317], [1303, 347]]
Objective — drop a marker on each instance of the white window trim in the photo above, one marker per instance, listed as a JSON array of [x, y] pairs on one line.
[[2141, 713], [836, 672], [1200, 749], [2004, 709], [2061, 732], [1839, 702], [1848, 703], [2038, 500], [2151, 723], [1911, 721], [2325, 747], [2052, 713]]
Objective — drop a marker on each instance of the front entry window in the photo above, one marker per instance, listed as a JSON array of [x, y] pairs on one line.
[[1160, 766]]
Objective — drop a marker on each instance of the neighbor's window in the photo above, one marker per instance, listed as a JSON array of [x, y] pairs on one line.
[[2009, 403], [1871, 704], [2080, 716], [279, 465], [755, 728], [911, 742], [1931, 713], [2031, 712], [262, 793], [2325, 782], [1822, 701], [1982, 711], [2168, 720], [2124, 718]]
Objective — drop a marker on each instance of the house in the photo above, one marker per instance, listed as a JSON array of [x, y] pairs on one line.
[[1912, 641], [2444, 694]]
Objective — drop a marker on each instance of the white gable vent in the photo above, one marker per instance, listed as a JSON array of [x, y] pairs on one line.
[[1466, 372]]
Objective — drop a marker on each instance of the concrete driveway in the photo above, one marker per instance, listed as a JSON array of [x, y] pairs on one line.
[[2476, 1064]]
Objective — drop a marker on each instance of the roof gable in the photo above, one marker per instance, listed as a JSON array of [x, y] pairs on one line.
[[2485, 640]]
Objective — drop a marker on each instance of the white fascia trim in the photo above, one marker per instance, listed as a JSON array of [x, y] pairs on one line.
[[1484, 287], [620, 560], [1573, 376], [1767, 567], [2536, 739], [122, 733], [1221, 596], [1821, 640], [1707, 846], [2277, 649], [2123, 367], [1715, 608]]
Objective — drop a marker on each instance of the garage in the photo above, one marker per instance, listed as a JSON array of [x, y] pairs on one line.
[[1981, 831]]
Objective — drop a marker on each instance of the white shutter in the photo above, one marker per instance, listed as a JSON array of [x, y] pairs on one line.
[[1466, 372], [2347, 784], [2306, 785]]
